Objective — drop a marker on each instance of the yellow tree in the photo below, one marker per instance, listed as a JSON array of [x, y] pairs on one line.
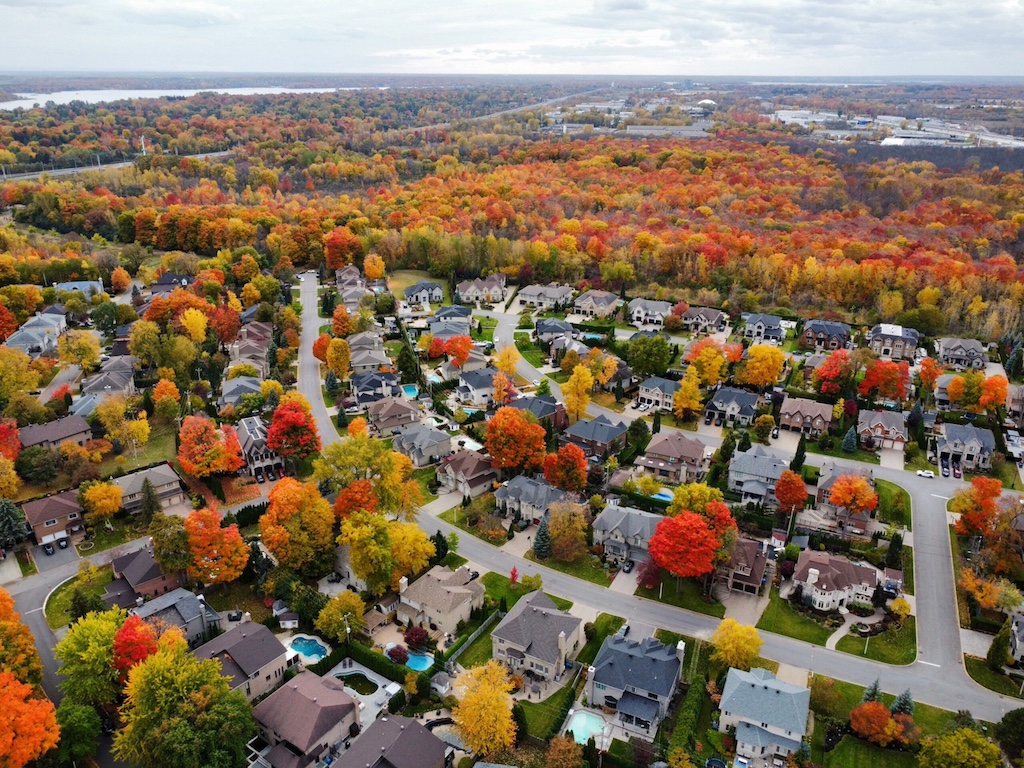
[[9, 480], [373, 267], [763, 365], [502, 388], [693, 497], [338, 357], [736, 645], [135, 433], [298, 526], [410, 548], [687, 400], [483, 716], [193, 322], [710, 362], [342, 616], [576, 392], [507, 359], [79, 348], [251, 295], [100, 501]]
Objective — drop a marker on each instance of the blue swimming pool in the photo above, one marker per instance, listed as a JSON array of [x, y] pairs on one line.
[[417, 661], [309, 648], [411, 391], [433, 378], [663, 495], [471, 411], [585, 725], [592, 336]]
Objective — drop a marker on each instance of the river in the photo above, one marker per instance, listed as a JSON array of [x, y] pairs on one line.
[[94, 97]]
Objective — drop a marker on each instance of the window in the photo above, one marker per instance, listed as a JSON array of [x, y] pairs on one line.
[[600, 686], [50, 523], [72, 515]]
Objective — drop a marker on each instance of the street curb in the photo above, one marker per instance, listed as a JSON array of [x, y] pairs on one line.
[[50, 594]]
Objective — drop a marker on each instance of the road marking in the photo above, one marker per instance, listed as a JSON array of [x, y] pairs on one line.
[[935, 495], [34, 610], [929, 663]]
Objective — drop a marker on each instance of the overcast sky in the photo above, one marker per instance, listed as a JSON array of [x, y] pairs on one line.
[[665, 37]]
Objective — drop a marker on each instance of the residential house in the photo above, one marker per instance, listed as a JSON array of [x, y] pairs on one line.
[[597, 437], [753, 475], [37, 337], [1017, 636], [745, 570], [636, 679], [674, 458], [365, 340], [454, 313], [250, 352], [440, 599], [165, 482], [732, 406], [658, 392], [393, 741], [811, 364], [349, 275], [476, 387], [942, 399], [961, 353], [802, 415], [537, 636], [88, 288], [448, 327], [116, 377], [528, 498], [1014, 402], [561, 345], [550, 328], [648, 312], [169, 282], [884, 429], [624, 532], [424, 292], [352, 296], [390, 414], [764, 329], [304, 721], [543, 407], [54, 517], [767, 716], [85, 405], [252, 436], [251, 658], [967, 445], [488, 290], [233, 390], [893, 341], [138, 576], [368, 360], [846, 519], [829, 581], [257, 331], [704, 320], [595, 303], [373, 385], [545, 296], [422, 444], [449, 371], [72, 429], [467, 472], [184, 610], [825, 334]]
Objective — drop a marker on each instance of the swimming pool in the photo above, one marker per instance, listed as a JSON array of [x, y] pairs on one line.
[[310, 649], [411, 391], [585, 725], [592, 336], [419, 662], [433, 378], [470, 411], [663, 495]]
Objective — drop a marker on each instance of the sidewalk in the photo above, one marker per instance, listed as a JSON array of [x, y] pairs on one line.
[[848, 621], [10, 571]]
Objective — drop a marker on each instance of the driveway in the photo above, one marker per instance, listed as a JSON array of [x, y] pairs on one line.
[[786, 442], [626, 583], [45, 562], [891, 458], [10, 571]]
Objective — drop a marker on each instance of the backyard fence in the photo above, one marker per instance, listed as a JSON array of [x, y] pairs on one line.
[[473, 637]]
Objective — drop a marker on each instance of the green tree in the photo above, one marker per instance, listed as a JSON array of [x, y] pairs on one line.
[[150, 504], [1010, 733], [80, 731], [656, 425], [745, 442], [649, 356], [342, 616], [850, 440], [37, 465], [86, 654], [801, 454], [963, 748], [763, 426], [544, 388], [873, 692], [170, 543], [903, 704], [408, 366], [999, 650], [542, 541], [13, 528]]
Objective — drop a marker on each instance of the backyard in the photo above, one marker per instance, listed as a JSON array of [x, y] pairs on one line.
[[837, 451], [891, 647], [855, 753], [237, 596], [531, 353], [683, 593], [401, 279], [783, 619]]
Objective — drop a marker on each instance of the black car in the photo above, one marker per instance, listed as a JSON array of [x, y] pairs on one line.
[[259, 476], [945, 467], [48, 549], [708, 419], [628, 566], [62, 543]]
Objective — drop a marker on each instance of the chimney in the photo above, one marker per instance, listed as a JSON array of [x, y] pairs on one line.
[[139, 601], [403, 584], [812, 576], [561, 644], [681, 652], [246, 617]]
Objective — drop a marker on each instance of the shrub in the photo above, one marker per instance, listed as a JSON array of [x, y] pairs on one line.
[[398, 654]]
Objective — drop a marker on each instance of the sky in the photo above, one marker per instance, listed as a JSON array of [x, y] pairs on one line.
[[581, 37]]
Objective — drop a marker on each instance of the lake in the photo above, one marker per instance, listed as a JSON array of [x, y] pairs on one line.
[[94, 97]]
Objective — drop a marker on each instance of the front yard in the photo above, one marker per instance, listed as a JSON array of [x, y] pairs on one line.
[[58, 606], [893, 504], [401, 279], [891, 647], [486, 328], [531, 353], [855, 753], [994, 681], [837, 451], [586, 567], [689, 595], [497, 586], [783, 619]]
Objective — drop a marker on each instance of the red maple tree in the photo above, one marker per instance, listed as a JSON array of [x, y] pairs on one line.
[[458, 349], [790, 491], [203, 451], [684, 545], [834, 373], [567, 469], [872, 720], [293, 432], [977, 506], [8, 323], [359, 495], [219, 555], [225, 323], [323, 341], [10, 445], [134, 642], [340, 247], [886, 379], [513, 442]]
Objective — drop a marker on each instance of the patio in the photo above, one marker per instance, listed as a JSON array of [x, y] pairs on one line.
[[370, 705]]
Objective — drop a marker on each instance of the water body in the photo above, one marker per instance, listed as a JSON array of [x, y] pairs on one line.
[[94, 97]]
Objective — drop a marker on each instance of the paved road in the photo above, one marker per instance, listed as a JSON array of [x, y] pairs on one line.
[[107, 167]]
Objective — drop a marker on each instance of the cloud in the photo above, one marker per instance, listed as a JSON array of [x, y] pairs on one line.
[[181, 13]]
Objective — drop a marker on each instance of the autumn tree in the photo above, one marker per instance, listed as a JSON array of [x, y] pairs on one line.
[[567, 527], [961, 748], [298, 527], [576, 392], [507, 360], [28, 725], [976, 506], [763, 366], [341, 246], [10, 444], [871, 720], [100, 500], [692, 497], [18, 654], [338, 357], [219, 554], [80, 348], [16, 375], [166, 390], [134, 642], [342, 617], [707, 356], [570, 359], [373, 267], [293, 432], [567, 469], [993, 393], [170, 543], [513, 442], [736, 645], [835, 374], [853, 492], [341, 323], [369, 546], [86, 654], [929, 371], [563, 752], [502, 388], [458, 348], [323, 341], [411, 550], [203, 451], [684, 545], [483, 716], [358, 495], [226, 323], [687, 399], [790, 491], [194, 323], [885, 379]]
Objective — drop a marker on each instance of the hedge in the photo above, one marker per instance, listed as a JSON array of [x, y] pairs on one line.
[[217, 487], [683, 734], [370, 659], [250, 514], [646, 503]]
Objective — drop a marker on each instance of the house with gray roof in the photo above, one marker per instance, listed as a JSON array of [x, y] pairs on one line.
[[448, 327], [536, 636], [624, 532], [449, 371], [893, 341], [37, 337], [165, 482], [658, 392], [636, 679], [477, 387], [490, 289], [545, 296], [961, 353], [251, 658], [422, 444], [1017, 636], [550, 328], [116, 380], [440, 599], [528, 497], [825, 334], [648, 312], [468, 472], [373, 385], [753, 474], [87, 288], [764, 329], [137, 575], [393, 741], [424, 292], [704, 320], [390, 414], [596, 436], [967, 445], [561, 345], [769, 716], [184, 610], [732, 406], [51, 434], [368, 360], [543, 407], [233, 390], [595, 303], [884, 429], [252, 437]]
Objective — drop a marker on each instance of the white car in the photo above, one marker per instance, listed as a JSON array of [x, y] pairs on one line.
[[925, 473], [536, 382]]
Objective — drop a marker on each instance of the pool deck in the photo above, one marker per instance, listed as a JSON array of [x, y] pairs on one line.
[[286, 639], [372, 704]]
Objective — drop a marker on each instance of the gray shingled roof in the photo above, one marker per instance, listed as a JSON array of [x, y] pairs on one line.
[[758, 462], [759, 697], [479, 379], [638, 706], [598, 297], [965, 433], [552, 325], [393, 741], [747, 401], [541, 406], [304, 709], [600, 429], [418, 436], [827, 327], [178, 602], [645, 664], [138, 567], [53, 431], [534, 623], [536, 493], [161, 474], [666, 386], [630, 521], [243, 651]]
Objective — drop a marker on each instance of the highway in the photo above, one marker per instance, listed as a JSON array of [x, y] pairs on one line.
[[107, 167]]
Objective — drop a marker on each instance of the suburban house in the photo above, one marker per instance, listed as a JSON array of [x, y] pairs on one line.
[[349, 275], [893, 341], [252, 437], [831, 581], [54, 517], [845, 518], [550, 328], [753, 475], [184, 610], [137, 575], [488, 290], [390, 414], [624, 531], [476, 387], [745, 570], [422, 444], [674, 458], [165, 482], [704, 320], [449, 371], [393, 741], [116, 377], [764, 329], [1014, 402], [967, 445], [37, 337], [454, 313], [249, 352], [545, 296], [961, 353], [648, 312], [352, 296], [732, 406], [1017, 636], [825, 334], [537, 636], [635, 679], [169, 282], [304, 720], [447, 328], [658, 392], [942, 399], [768, 716], [597, 436], [595, 303], [251, 658], [561, 345], [800, 414], [530, 498], [51, 434], [261, 332], [468, 472], [811, 364], [543, 407], [367, 360], [88, 288], [373, 385], [885, 429], [440, 599], [233, 390], [424, 292]]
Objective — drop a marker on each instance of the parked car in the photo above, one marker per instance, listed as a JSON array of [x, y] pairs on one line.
[[536, 382], [719, 419], [708, 419], [925, 473], [48, 549], [259, 476], [945, 467], [628, 566], [63, 543], [280, 473], [956, 469], [775, 432]]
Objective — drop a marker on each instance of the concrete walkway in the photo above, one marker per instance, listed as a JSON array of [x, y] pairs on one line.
[[520, 544], [744, 608], [849, 620], [10, 571], [442, 503]]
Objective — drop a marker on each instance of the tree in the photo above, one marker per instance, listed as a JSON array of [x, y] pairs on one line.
[[179, 712], [204, 451], [80, 730], [962, 748], [170, 543], [101, 501], [544, 388], [342, 616], [649, 355], [567, 528], [977, 506], [9, 481], [763, 366], [13, 528], [194, 323], [903, 704], [542, 540], [999, 649], [513, 442], [929, 371], [507, 360], [358, 496], [15, 373], [166, 389], [567, 469], [502, 388], [993, 393], [1010, 733], [693, 497], [87, 653], [483, 716], [872, 721], [18, 654], [219, 554], [687, 400], [8, 323], [850, 440], [298, 527], [341, 323], [684, 545], [293, 433], [576, 392], [80, 348], [736, 645], [320, 346], [37, 465], [855, 493], [373, 267], [411, 550], [134, 642], [885, 379], [873, 692], [338, 357], [900, 608], [826, 699], [369, 542], [28, 726], [341, 246], [563, 752], [10, 444], [569, 361], [407, 365], [226, 323], [790, 491], [458, 349], [835, 374], [763, 426]]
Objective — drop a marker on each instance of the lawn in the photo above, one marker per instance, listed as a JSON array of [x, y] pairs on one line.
[[457, 517], [932, 720], [540, 715], [159, 448], [237, 596], [59, 605], [851, 752], [497, 586], [890, 498], [531, 353], [908, 569], [585, 568], [607, 400], [453, 561], [962, 609], [994, 681], [26, 563], [837, 451], [1009, 476], [782, 619], [424, 477], [105, 539], [605, 625], [891, 647], [479, 653], [487, 326], [559, 376], [401, 279], [689, 595]]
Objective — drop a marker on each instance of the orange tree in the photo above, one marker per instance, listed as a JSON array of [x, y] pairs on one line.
[[684, 545], [855, 493], [567, 469], [513, 442], [298, 527], [219, 555], [28, 725]]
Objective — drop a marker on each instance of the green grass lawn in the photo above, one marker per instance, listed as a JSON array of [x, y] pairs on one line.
[[585, 568], [1009, 476], [423, 477], [920, 461], [237, 596], [26, 564], [837, 451], [453, 561], [690, 596], [605, 625], [890, 496], [479, 653], [401, 279], [486, 333], [531, 353], [994, 681], [497, 586], [908, 569], [559, 376], [781, 618], [851, 752], [540, 715], [931, 720], [122, 531], [962, 609], [891, 647], [457, 517], [59, 605], [159, 448]]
